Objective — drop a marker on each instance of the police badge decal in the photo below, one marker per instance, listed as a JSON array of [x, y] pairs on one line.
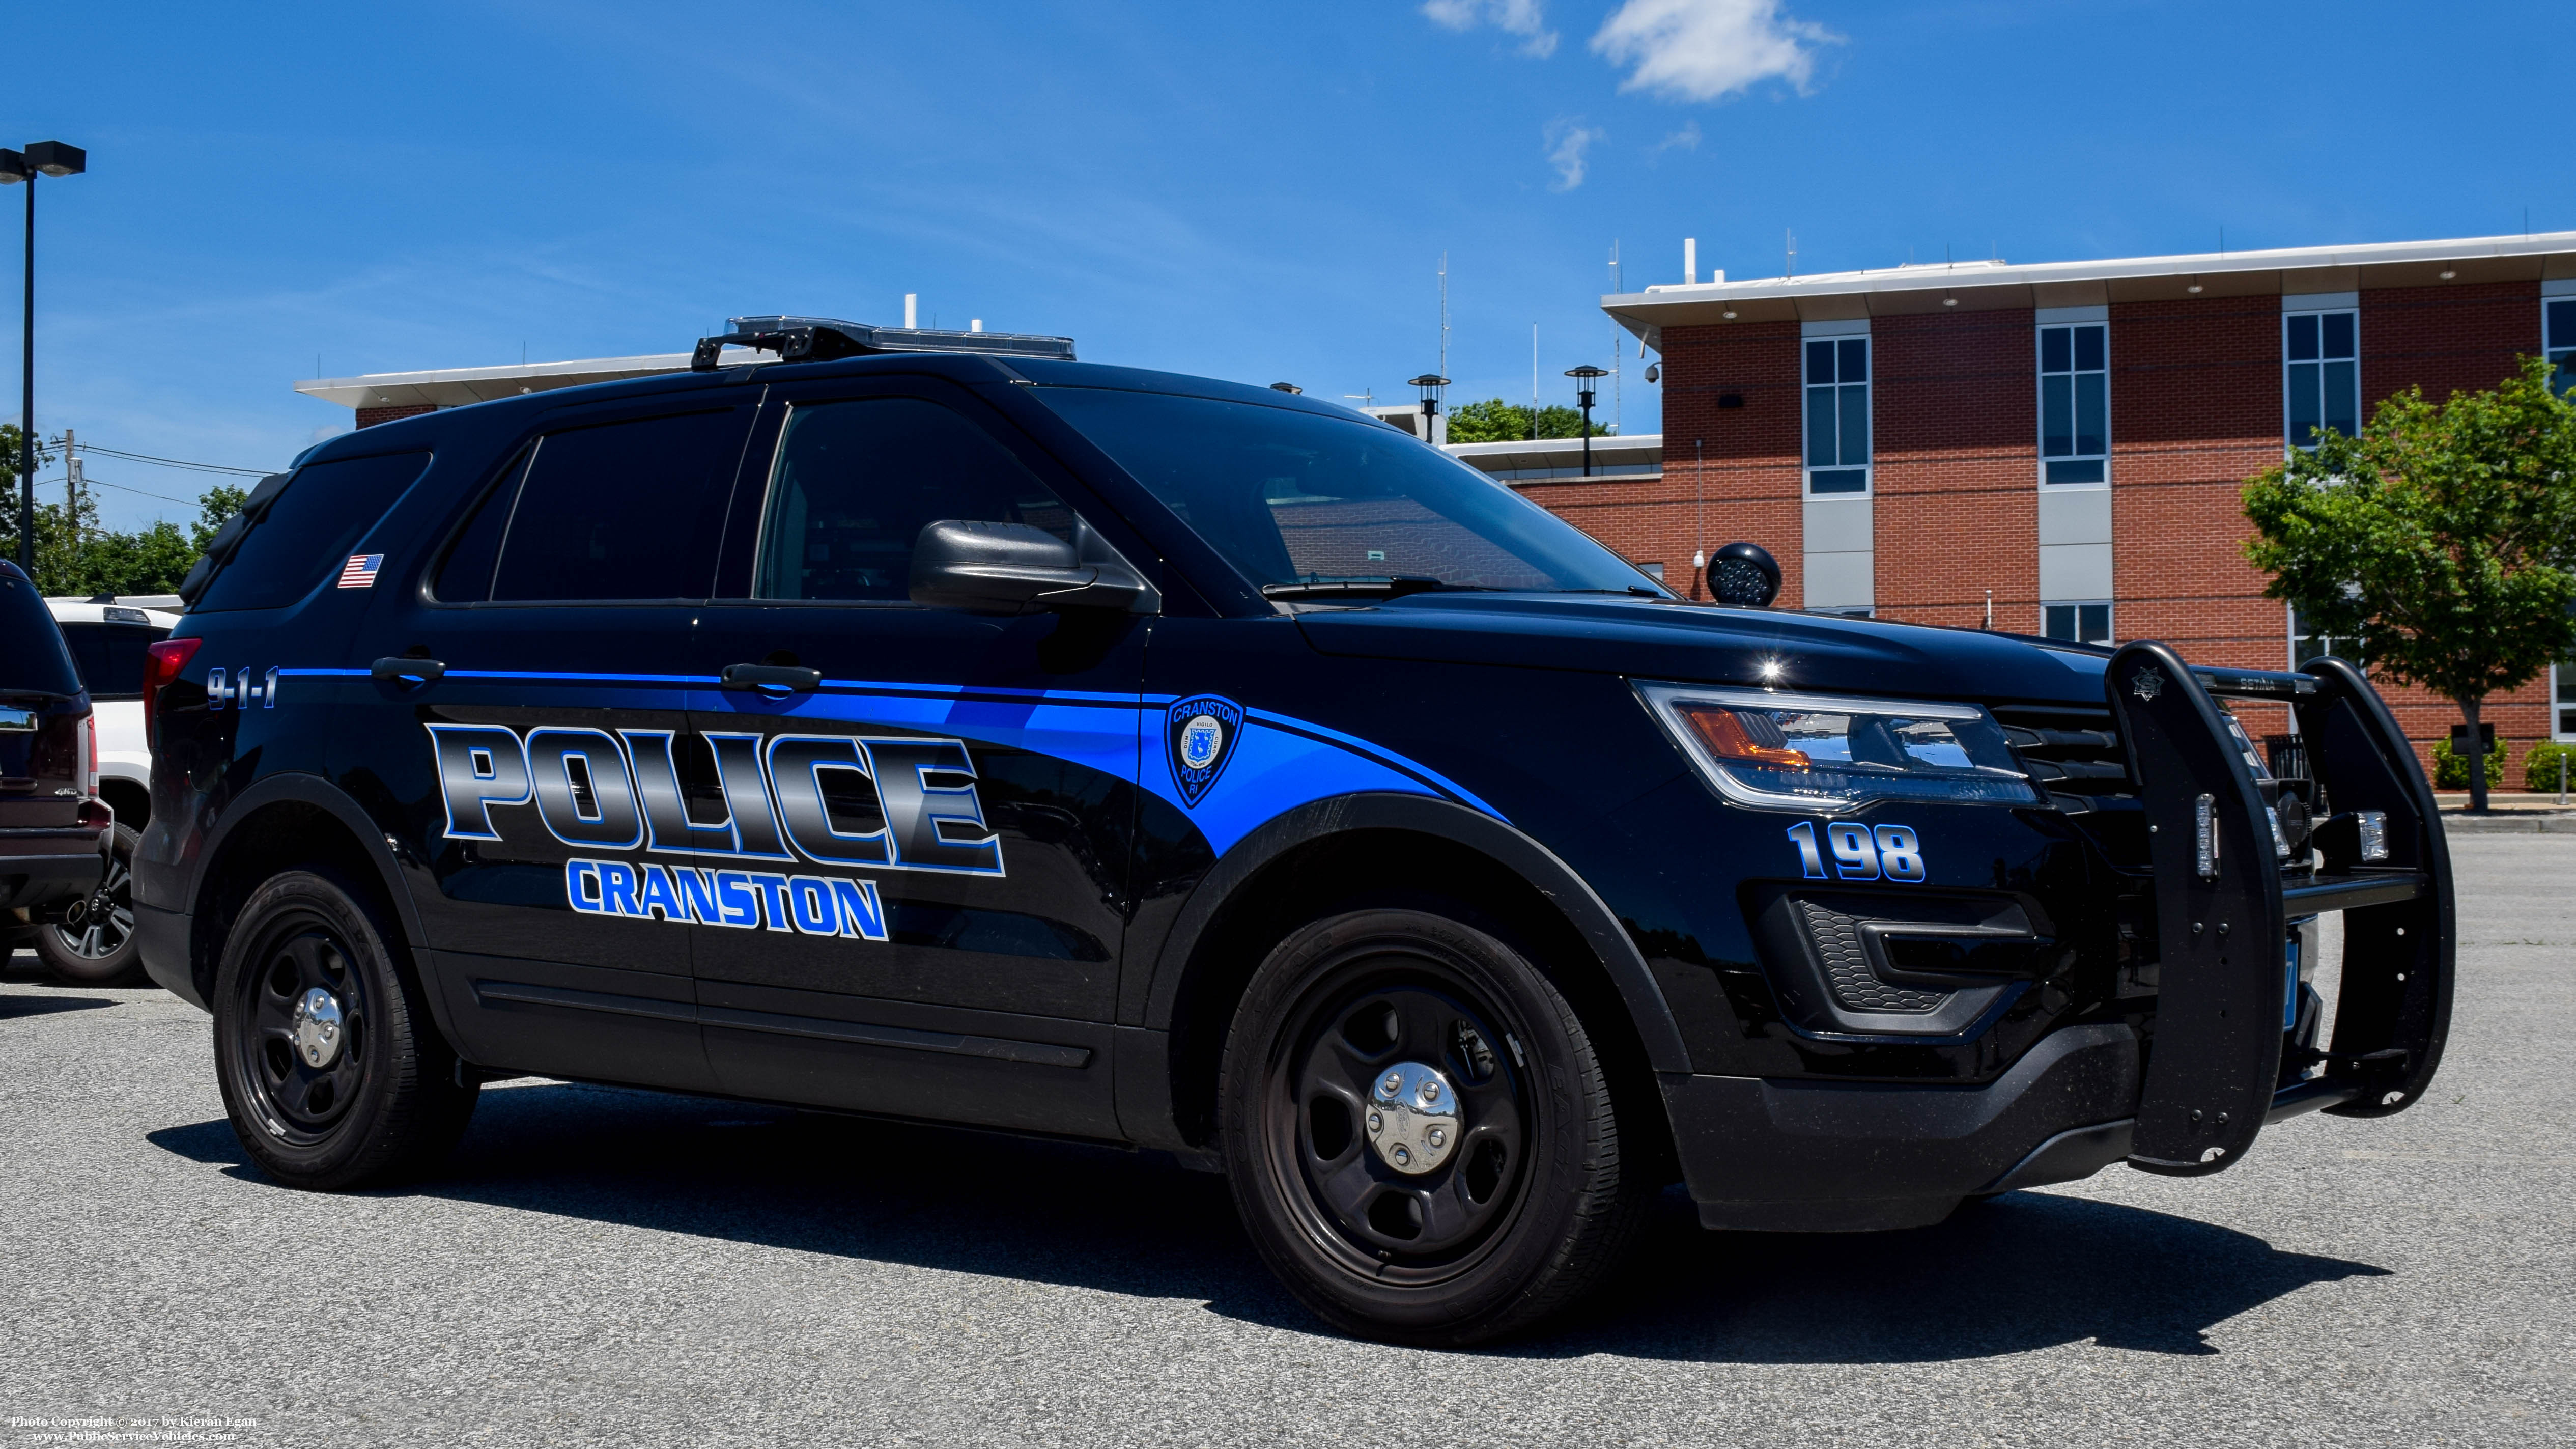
[[1199, 735]]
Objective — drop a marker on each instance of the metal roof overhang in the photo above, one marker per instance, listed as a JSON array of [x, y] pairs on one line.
[[1559, 452], [457, 386], [1987, 286]]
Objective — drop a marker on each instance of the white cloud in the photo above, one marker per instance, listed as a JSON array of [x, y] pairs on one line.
[[1512, 17], [1566, 143], [1687, 138], [1701, 50]]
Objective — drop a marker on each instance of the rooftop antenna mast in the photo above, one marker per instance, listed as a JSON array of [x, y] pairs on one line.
[[1616, 288], [1533, 382], [1444, 314], [1789, 241]]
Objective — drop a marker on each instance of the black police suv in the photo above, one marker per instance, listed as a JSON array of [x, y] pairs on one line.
[[933, 726], [53, 827]]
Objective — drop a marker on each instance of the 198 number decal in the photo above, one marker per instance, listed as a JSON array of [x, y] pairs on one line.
[[1890, 852]]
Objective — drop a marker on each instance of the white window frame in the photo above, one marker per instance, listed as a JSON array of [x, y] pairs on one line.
[[1867, 467], [2110, 615], [2340, 307], [2069, 319], [2562, 703], [2559, 343], [2291, 628]]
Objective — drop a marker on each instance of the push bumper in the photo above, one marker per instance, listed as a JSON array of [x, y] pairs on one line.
[[2216, 1065]]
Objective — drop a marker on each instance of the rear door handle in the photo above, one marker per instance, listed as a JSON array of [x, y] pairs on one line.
[[771, 676], [406, 671]]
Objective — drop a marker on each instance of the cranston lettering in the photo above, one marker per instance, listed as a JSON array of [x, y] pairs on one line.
[[747, 900], [597, 790]]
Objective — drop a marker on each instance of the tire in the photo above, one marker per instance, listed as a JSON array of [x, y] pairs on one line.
[[98, 948], [370, 1102], [1386, 1232]]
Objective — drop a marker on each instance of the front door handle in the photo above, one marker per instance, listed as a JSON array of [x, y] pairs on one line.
[[771, 676], [395, 670]]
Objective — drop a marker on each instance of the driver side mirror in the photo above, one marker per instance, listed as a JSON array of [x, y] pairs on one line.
[[1014, 568]]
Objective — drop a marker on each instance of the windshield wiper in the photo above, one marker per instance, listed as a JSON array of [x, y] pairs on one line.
[[1392, 587]]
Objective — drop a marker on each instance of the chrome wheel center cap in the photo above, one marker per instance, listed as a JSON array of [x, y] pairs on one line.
[[317, 1028], [1413, 1120]]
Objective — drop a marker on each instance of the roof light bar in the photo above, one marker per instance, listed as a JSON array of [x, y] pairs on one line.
[[820, 339]]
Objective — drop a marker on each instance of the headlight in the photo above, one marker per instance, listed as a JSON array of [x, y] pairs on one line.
[[1817, 753]]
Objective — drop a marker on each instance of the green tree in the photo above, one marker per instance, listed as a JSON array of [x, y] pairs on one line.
[[2444, 537], [1497, 421], [77, 557]]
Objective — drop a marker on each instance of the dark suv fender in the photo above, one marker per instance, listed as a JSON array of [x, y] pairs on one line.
[[1151, 995], [169, 939]]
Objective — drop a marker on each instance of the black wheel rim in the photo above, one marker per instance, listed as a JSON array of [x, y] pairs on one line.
[[106, 919], [297, 1100], [1381, 1008]]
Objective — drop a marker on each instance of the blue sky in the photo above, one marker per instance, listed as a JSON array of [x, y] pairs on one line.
[[1251, 192]]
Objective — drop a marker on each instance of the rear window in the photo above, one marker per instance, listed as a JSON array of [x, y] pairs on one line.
[[110, 656], [629, 510], [306, 537], [32, 656]]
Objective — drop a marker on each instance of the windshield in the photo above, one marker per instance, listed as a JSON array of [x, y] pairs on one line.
[[1293, 498]]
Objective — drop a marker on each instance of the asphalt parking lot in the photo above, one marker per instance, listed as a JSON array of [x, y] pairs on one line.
[[612, 1267]]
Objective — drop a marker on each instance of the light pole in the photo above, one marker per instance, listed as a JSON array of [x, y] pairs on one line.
[[51, 158], [1430, 383], [1583, 394]]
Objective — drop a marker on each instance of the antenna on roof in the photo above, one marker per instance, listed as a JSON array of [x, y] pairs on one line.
[[1789, 240], [1444, 314]]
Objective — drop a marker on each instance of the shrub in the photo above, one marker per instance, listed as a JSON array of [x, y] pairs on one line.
[[2451, 770], [2540, 769]]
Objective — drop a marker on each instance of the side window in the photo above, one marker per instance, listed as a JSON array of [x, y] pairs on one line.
[[110, 657], [2321, 374], [1837, 371], [305, 537], [2558, 328], [855, 482], [630, 510], [2075, 403]]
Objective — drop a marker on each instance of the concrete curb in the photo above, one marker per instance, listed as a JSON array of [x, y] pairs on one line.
[[2517, 824]]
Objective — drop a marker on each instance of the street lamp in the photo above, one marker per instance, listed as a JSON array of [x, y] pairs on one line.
[[1583, 394], [52, 158], [1430, 383]]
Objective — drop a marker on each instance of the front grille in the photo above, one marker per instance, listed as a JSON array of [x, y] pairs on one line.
[[2072, 753], [1846, 962]]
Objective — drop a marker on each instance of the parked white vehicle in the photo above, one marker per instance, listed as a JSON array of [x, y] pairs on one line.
[[95, 946]]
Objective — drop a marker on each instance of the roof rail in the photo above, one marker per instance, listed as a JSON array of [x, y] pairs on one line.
[[820, 339]]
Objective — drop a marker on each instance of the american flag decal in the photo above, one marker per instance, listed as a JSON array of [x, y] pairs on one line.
[[360, 571]]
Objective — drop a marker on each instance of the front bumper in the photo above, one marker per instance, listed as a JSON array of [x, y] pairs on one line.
[[2215, 1064]]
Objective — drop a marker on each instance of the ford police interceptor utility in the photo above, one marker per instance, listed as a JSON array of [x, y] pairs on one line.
[[931, 725]]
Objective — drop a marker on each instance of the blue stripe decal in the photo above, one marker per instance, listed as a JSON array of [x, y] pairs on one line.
[[1284, 763]]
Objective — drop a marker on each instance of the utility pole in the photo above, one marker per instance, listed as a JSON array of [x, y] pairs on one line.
[[71, 486], [47, 158]]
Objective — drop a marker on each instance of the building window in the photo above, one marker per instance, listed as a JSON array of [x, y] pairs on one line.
[[2306, 645], [2558, 336], [2562, 698], [2077, 623], [2321, 374], [2075, 403], [1838, 415]]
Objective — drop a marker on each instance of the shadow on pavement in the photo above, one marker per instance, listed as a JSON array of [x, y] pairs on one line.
[[2026, 1271], [19, 1003]]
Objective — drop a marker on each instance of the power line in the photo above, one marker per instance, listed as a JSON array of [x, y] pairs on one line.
[[174, 462], [122, 488]]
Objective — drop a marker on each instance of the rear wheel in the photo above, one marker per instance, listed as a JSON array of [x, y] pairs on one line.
[[1419, 1133], [330, 1067], [94, 944]]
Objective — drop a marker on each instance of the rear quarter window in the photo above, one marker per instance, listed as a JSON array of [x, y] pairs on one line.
[[308, 532], [110, 656], [32, 656]]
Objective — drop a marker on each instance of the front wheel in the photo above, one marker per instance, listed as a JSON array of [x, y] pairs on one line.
[[93, 945], [331, 1069], [1419, 1132]]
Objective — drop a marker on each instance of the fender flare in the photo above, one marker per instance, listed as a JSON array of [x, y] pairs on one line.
[[1534, 863], [296, 787]]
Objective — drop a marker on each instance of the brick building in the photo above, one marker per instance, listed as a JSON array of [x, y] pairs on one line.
[[2060, 447]]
